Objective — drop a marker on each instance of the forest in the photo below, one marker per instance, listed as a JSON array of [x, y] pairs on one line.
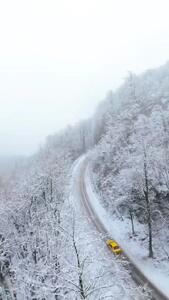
[[127, 145]]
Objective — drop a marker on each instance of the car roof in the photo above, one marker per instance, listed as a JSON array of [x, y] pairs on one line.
[[112, 242]]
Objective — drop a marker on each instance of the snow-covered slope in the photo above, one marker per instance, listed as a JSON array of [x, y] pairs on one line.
[[131, 163]]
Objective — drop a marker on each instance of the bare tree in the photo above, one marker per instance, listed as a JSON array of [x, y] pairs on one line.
[[132, 221], [148, 205]]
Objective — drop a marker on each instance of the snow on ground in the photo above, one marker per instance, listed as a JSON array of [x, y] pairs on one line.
[[134, 248], [105, 276]]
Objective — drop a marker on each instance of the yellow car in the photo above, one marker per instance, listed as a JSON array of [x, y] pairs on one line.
[[114, 246]]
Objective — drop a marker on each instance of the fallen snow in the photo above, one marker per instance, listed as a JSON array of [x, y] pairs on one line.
[[119, 283], [119, 230]]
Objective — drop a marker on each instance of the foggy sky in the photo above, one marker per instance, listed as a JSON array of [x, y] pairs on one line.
[[58, 58]]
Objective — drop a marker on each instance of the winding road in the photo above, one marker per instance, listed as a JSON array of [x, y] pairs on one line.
[[137, 274]]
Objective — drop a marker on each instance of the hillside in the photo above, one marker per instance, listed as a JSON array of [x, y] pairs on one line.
[[45, 236], [131, 159]]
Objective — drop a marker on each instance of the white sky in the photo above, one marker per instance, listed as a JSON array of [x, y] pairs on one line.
[[58, 58]]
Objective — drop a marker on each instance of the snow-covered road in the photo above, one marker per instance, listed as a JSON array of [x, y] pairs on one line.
[[105, 270], [96, 213]]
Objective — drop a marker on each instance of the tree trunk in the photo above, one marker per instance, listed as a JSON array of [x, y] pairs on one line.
[[132, 222], [81, 287], [148, 207]]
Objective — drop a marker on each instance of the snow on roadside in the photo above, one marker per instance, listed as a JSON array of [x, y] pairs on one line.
[[105, 276], [119, 230]]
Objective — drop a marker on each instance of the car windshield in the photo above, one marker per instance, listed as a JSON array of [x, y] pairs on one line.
[[116, 247]]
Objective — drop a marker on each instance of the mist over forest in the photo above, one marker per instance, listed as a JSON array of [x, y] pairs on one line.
[[84, 156], [118, 159]]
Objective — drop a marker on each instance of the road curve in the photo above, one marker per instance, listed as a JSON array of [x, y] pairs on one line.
[[137, 274]]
